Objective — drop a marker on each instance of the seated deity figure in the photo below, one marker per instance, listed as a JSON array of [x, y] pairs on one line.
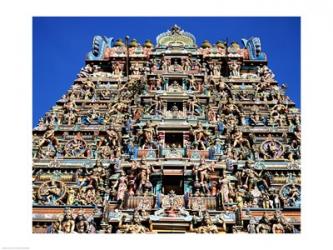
[[92, 117], [293, 195], [175, 87], [67, 222], [81, 223], [263, 226], [239, 140], [207, 225], [176, 67], [135, 226]]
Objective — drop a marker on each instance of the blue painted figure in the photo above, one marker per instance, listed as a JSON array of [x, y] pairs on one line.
[[253, 46], [220, 126], [211, 152], [100, 43]]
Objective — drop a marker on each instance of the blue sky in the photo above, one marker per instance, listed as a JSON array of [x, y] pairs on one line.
[[60, 45]]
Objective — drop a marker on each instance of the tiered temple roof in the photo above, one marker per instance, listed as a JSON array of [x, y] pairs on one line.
[[172, 137]]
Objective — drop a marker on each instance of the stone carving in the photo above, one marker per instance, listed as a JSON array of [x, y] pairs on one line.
[[52, 192]]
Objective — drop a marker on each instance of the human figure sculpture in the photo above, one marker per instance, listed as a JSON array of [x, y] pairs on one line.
[[234, 68], [207, 225], [225, 188], [251, 227], [121, 186], [117, 71], [252, 178], [135, 69], [67, 222], [149, 130], [81, 223], [215, 70], [48, 137], [135, 225], [143, 176], [200, 134], [239, 140], [201, 174], [265, 73], [186, 64], [263, 226], [194, 106]]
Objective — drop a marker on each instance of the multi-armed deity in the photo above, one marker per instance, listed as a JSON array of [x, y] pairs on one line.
[[171, 137]]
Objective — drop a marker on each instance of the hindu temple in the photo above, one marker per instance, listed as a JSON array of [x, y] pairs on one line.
[[169, 136]]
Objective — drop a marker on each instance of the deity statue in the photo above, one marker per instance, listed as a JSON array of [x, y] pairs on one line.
[[81, 223], [251, 227], [201, 175], [175, 87], [215, 70], [263, 225], [149, 131], [135, 226], [142, 178], [271, 148], [166, 63], [135, 69], [48, 137], [225, 188], [186, 64], [121, 186], [193, 106], [265, 73], [67, 223], [252, 178], [234, 68], [117, 70], [192, 85], [207, 225], [52, 192], [239, 140], [70, 196]]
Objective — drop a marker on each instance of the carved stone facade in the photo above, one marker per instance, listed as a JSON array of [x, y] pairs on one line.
[[171, 137]]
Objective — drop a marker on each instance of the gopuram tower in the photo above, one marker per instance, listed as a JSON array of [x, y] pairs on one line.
[[169, 138]]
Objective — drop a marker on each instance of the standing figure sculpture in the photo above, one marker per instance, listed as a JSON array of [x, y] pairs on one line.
[[234, 68], [121, 186]]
